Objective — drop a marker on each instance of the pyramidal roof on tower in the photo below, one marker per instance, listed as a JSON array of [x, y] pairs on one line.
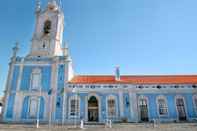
[[50, 4], [54, 4]]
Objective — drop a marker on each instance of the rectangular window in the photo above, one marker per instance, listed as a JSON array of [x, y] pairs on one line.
[[111, 108], [36, 81], [163, 110], [74, 108]]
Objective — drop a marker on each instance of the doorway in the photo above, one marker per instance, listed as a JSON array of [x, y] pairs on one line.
[[181, 109], [143, 105], [93, 109]]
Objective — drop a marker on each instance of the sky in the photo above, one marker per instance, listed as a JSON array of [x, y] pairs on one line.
[[142, 37]]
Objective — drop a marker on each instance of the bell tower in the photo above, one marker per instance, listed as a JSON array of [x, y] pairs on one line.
[[48, 34]]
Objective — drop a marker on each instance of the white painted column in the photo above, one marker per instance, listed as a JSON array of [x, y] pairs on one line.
[[18, 98], [100, 99], [86, 108], [10, 75], [131, 106], [64, 106], [121, 104], [54, 73], [134, 109], [69, 74], [18, 107], [64, 111]]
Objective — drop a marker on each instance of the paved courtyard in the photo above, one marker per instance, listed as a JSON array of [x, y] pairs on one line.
[[116, 127]]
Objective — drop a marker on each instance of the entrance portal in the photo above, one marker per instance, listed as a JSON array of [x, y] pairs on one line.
[[143, 109], [181, 109], [93, 109]]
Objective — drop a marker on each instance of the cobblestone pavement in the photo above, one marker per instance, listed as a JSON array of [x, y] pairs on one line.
[[115, 127]]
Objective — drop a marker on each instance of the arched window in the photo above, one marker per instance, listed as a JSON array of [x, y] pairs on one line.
[[162, 106], [47, 27], [195, 103], [111, 107], [36, 79], [74, 106]]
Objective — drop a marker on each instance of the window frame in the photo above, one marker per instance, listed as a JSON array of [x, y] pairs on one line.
[[77, 115], [145, 100], [164, 107], [112, 108], [36, 71], [195, 103]]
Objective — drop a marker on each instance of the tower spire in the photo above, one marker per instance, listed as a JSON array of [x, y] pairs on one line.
[[52, 4], [52, 1]]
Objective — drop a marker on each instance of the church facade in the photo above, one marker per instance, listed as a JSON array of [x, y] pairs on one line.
[[43, 85]]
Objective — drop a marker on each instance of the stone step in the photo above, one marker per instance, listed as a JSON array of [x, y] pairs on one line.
[[94, 123]]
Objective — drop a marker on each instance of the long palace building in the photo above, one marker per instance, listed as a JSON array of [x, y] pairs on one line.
[[43, 85]]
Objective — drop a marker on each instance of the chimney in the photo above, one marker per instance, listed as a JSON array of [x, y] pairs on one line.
[[117, 73]]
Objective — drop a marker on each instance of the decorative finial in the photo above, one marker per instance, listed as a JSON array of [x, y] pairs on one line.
[[65, 49], [117, 73], [65, 45], [52, 4], [38, 6], [60, 4], [15, 49]]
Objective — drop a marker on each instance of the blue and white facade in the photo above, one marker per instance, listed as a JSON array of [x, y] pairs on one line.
[[43, 85]]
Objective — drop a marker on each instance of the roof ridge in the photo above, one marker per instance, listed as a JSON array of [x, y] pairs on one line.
[[165, 79], [137, 75]]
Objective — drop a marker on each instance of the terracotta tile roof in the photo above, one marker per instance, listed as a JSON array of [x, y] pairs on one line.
[[171, 79]]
